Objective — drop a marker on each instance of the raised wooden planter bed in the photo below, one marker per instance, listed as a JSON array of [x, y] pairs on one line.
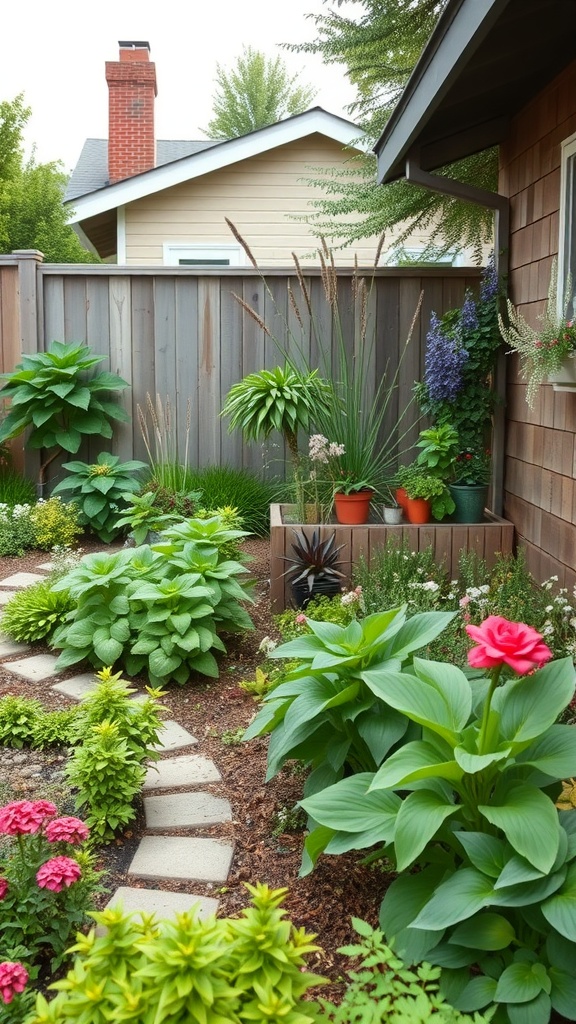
[[447, 540]]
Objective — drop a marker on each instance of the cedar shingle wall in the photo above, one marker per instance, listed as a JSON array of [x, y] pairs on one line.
[[540, 485]]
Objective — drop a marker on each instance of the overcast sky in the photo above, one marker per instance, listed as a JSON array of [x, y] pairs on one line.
[[54, 52]]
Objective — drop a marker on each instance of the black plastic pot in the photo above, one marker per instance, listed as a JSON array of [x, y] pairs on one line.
[[301, 593]]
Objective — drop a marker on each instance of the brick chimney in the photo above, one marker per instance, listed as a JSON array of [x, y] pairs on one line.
[[132, 88]]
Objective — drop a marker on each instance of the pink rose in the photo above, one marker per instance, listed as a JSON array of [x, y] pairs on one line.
[[57, 873], [13, 978], [25, 816], [3, 888], [66, 830], [500, 642]]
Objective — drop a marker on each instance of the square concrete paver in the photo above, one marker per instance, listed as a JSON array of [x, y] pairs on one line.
[[38, 667], [186, 770], [6, 595], [163, 904], [22, 579], [182, 859], [185, 810], [78, 686], [8, 647], [46, 566], [175, 737]]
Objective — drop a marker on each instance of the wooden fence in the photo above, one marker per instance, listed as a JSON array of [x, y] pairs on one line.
[[181, 333]]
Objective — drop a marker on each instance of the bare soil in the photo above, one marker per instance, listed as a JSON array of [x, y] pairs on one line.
[[216, 712]]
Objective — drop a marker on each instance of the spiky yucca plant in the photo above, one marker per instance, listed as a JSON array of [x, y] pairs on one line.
[[315, 557]]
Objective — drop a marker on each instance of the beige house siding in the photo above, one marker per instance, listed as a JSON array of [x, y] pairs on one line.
[[261, 196], [541, 443]]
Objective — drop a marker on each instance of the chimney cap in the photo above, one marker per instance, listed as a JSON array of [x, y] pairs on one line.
[[130, 44]]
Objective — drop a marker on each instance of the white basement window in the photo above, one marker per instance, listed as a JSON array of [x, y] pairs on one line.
[[179, 255]]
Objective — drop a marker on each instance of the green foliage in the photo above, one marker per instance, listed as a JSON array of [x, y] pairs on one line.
[[385, 990], [352, 206], [223, 486], [425, 485], [158, 610], [24, 722], [54, 394], [17, 533], [284, 399], [15, 489], [339, 610], [56, 523], [397, 574], [143, 516], [215, 970], [471, 803], [31, 212], [439, 447], [34, 613], [99, 489], [259, 91]]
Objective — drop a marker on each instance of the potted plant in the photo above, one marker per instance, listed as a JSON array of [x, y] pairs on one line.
[[547, 353], [439, 447], [392, 510], [470, 487], [313, 568], [427, 495], [350, 492]]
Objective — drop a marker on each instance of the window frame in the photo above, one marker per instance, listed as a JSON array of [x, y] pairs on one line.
[[173, 252], [567, 219]]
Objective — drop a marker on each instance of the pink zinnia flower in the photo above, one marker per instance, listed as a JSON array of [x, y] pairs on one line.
[[3, 888], [23, 817], [500, 642], [57, 873], [13, 978], [66, 830]]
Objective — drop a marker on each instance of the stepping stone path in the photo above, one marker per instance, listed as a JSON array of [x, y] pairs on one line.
[[159, 858]]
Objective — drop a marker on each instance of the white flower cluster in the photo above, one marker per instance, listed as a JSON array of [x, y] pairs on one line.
[[320, 449], [267, 645], [428, 585], [352, 597]]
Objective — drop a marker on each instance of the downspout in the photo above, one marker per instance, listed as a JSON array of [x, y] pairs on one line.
[[501, 206]]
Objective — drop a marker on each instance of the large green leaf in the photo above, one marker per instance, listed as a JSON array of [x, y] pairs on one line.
[[461, 896], [537, 1011], [554, 753], [419, 631], [529, 821], [560, 909], [348, 806], [415, 760], [528, 893], [420, 817], [484, 931], [419, 699], [381, 731], [563, 994], [479, 992], [403, 900], [474, 763], [521, 982], [529, 705], [108, 651], [487, 853]]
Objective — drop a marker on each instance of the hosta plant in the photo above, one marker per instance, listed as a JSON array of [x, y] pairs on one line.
[[99, 490], [329, 711], [60, 397], [472, 804]]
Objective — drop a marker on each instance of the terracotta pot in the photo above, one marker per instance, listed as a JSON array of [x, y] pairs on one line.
[[401, 497], [418, 510], [352, 509]]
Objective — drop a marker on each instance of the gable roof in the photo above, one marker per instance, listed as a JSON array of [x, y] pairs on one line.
[[483, 62], [195, 159]]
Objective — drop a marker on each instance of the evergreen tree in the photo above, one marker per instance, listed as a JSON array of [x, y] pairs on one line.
[[31, 211], [379, 46], [259, 91]]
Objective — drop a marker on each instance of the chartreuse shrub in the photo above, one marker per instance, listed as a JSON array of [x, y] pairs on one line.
[[211, 971], [43, 525], [470, 802], [24, 722], [160, 610], [35, 613], [328, 712]]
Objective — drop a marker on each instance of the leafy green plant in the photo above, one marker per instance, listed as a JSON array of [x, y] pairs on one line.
[[143, 516], [99, 490], [57, 395], [17, 532], [56, 523], [215, 970], [385, 990], [138, 721], [328, 712], [472, 803], [398, 574], [24, 722], [36, 612], [432, 489], [439, 448]]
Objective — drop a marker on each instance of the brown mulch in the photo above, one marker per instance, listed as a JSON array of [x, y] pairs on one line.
[[214, 711]]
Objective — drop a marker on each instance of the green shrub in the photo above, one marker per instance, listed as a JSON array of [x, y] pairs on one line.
[[35, 613], [237, 488], [98, 488], [56, 523], [242, 970], [17, 533], [396, 575], [24, 722]]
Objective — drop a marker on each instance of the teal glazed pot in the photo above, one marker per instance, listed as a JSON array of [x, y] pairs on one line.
[[470, 501]]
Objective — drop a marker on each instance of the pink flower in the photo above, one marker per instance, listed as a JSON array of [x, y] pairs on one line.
[[3, 888], [25, 816], [500, 642], [464, 601], [66, 830], [300, 620], [57, 873], [13, 978]]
